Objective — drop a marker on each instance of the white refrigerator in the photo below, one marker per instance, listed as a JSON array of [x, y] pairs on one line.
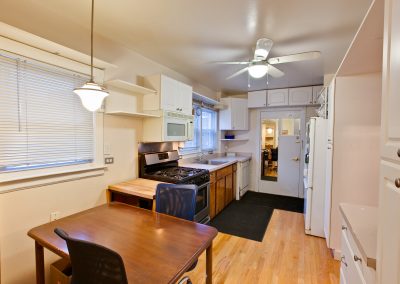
[[314, 176]]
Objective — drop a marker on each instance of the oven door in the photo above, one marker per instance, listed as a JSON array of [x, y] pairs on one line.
[[202, 202]]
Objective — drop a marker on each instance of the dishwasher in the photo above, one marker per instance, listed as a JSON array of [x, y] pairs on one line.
[[242, 179]]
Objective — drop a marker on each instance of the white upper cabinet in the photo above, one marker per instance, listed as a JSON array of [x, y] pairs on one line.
[[171, 95], [300, 96], [257, 99], [235, 116], [316, 90], [278, 97]]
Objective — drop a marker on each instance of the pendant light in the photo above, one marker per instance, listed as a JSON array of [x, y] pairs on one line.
[[91, 94]]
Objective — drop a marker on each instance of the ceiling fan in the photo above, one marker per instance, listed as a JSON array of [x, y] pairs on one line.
[[259, 66]]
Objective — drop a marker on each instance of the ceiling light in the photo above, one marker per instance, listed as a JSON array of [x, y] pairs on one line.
[[263, 47], [91, 94], [258, 70]]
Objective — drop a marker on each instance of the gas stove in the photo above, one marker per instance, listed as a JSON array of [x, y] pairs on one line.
[[164, 167], [180, 175]]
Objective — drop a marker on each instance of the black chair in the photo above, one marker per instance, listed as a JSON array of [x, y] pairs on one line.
[[178, 200], [92, 263]]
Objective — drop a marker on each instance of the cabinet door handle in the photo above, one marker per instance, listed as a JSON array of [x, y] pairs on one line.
[[343, 260], [356, 258], [397, 182], [344, 227]]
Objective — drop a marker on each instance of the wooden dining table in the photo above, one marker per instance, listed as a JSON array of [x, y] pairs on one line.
[[155, 248]]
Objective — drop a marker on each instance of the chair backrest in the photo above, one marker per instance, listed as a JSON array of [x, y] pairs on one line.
[[93, 263], [274, 154], [177, 200]]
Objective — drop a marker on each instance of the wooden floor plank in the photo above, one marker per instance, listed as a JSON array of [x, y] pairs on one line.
[[286, 255]]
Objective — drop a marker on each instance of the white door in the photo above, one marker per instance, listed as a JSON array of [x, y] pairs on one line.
[[281, 163], [289, 164], [389, 200]]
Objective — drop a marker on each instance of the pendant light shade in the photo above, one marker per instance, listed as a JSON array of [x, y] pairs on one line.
[[258, 70], [91, 94]]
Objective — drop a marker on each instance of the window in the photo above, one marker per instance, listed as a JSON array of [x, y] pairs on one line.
[[42, 122], [205, 131]]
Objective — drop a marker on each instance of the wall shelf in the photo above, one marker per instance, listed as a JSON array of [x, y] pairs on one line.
[[135, 89], [132, 114]]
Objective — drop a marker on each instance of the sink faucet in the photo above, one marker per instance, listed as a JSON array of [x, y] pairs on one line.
[[200, 156]]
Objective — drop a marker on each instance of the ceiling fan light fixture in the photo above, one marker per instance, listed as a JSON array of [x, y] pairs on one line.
[[263, 47], [258, 71]]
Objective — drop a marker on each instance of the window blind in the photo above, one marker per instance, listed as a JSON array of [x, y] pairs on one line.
[[42, 122], [208, 129]]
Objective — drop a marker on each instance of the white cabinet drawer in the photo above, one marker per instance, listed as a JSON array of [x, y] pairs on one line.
[[352, 270]]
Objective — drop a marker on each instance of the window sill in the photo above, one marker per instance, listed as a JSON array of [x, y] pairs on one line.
[[34, 178]]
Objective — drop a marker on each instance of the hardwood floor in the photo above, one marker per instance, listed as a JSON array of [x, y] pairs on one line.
[[286, 255]]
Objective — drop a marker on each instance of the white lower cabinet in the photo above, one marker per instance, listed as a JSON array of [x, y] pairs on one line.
[[353, 269]]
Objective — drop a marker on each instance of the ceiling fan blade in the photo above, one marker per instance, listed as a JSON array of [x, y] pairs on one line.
[[274, 72], [230, 62], [295, 57], [237, 73]]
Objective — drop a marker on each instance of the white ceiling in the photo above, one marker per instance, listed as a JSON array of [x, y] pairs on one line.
[[186, 35]]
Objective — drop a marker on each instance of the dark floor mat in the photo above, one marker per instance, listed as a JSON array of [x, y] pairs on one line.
[[243, 220], [249, 217], [274, 201]]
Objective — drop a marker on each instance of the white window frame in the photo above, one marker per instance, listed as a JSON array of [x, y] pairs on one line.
[[199, 149], [10, 181]]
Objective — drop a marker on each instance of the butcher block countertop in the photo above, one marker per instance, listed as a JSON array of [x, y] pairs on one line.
[[140, 187]]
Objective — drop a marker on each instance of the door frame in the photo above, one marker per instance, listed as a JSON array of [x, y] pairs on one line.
[[302, 111]]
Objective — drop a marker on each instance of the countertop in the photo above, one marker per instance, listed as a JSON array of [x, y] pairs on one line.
[[190, 163], [363, 225], [140, 187]]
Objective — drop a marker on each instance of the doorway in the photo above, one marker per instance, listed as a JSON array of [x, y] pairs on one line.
[[281, 161]]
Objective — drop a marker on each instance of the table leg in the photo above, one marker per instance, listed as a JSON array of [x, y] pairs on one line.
[[39, 254], [209, 264]]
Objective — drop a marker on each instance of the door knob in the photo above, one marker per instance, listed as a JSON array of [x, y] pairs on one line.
[[397, 182], [297, 158]]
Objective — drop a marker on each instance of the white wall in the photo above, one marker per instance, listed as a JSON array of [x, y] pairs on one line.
[[25, 209], [356, 145]]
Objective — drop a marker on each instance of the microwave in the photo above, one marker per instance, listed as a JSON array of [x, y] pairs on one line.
[[169, 126], [177, 126]]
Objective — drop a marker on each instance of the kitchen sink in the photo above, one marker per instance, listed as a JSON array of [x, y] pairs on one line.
[[210, 162]]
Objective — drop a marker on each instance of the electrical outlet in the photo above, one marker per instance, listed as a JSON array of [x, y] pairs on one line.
[[54, 216], [109, 160]]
